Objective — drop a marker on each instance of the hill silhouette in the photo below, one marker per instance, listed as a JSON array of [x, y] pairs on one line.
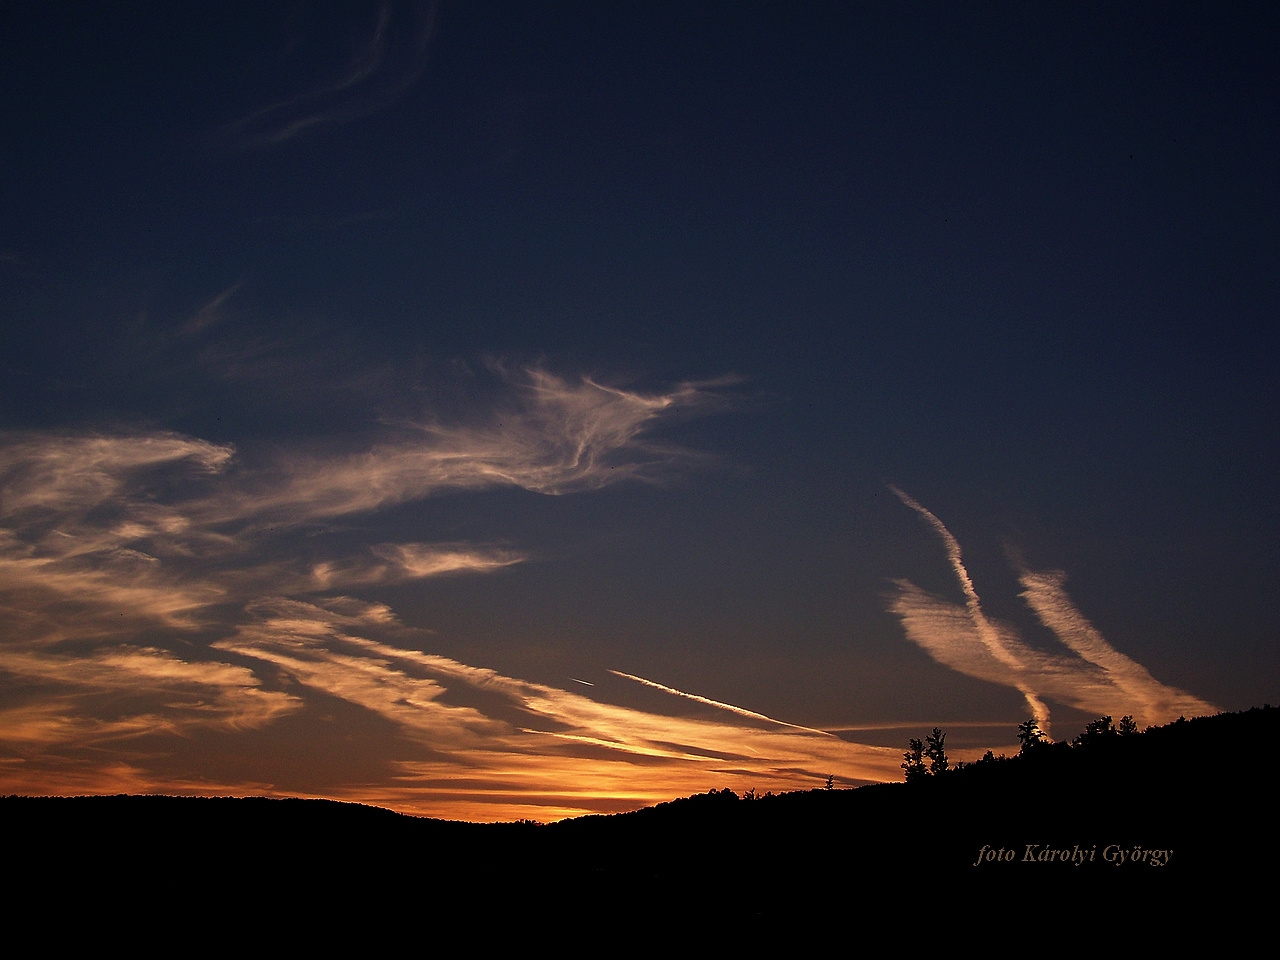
[[1165, 814]]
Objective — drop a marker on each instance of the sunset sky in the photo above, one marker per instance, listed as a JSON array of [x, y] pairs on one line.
[[496, 410]]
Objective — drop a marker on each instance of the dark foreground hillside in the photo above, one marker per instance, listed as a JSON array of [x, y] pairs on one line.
[[1166, 816]]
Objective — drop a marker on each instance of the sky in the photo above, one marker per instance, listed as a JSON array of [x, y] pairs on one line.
[[497, 411]]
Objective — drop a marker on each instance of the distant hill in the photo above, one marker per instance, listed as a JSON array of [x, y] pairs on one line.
[[1155, 813], [1165, 813]]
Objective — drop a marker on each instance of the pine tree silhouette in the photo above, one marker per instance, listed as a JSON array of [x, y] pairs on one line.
[[934, 751], [913, 761]]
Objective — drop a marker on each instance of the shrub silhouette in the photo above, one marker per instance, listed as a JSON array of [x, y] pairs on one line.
[[1095, 732]]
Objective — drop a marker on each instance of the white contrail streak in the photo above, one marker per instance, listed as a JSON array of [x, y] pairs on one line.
[[740, 711], [986, 632], [1045, 594]]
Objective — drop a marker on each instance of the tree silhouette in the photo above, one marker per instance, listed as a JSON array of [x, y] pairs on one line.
[[1030, 736], [934, 751], [913, 761], [1127, 726]]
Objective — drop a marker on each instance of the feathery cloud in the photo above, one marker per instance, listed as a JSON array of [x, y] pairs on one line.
[[550, 436], [157, 527]]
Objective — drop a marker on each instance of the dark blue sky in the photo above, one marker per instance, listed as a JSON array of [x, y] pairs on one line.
[[326, 281]]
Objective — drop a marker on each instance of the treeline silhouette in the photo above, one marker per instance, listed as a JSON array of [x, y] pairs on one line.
[[1098, 735], [1163, 812]]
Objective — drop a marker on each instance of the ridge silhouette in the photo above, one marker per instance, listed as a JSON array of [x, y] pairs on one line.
[[1164, 813]]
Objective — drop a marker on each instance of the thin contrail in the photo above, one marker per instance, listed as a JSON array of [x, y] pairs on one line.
[[741, 711], [986, 632]]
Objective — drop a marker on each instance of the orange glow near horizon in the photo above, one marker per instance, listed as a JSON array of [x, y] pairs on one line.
[[166, 630]]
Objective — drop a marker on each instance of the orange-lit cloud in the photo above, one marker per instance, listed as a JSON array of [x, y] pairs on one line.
[[510, 744], [158, 606], [118, 693]]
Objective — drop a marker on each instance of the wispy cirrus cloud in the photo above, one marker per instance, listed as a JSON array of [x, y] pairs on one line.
[[157, 526], [162, 591], [549, 435], [68, 476], [84, 528], [124, 692], [387, 61], [399, 562], [1098, 679]]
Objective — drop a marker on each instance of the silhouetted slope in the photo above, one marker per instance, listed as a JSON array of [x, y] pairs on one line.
[[1156, 815], [1186, 803]]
